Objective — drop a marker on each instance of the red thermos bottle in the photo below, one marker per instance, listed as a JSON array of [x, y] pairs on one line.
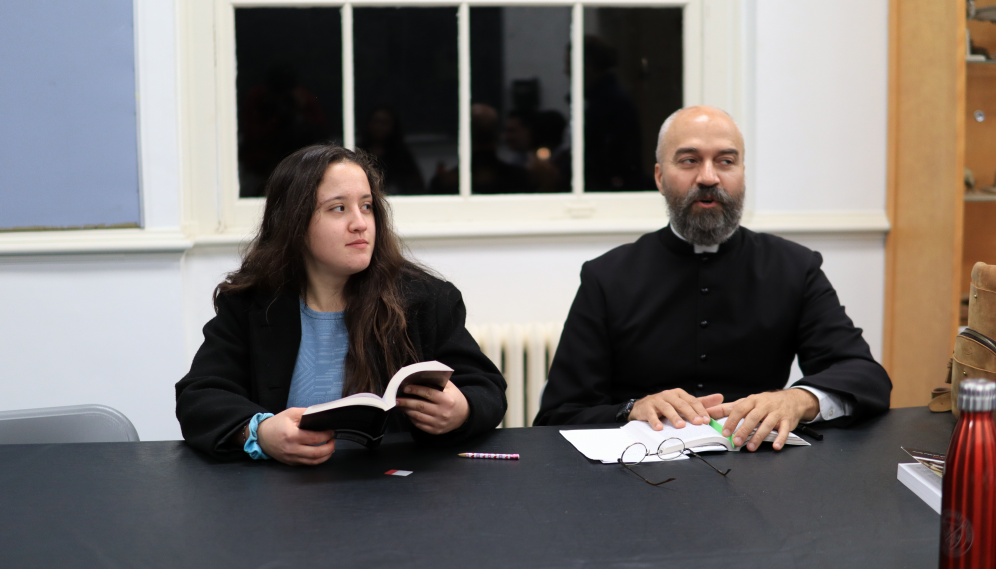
[[968, 502]]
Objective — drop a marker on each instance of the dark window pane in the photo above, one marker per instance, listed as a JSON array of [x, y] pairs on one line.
[[520, 87], [632, 82], [407, 95], [289, 86]]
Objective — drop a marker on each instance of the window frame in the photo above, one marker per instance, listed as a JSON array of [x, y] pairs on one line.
[[213, 210]]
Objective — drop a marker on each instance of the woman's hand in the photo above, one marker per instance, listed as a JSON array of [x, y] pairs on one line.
[[281, 439], [442, 411]]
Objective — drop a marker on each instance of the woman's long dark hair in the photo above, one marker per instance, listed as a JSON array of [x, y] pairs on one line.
[[375, 306]]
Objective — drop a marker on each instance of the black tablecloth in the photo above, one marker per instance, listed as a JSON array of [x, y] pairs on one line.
[[161, 504]]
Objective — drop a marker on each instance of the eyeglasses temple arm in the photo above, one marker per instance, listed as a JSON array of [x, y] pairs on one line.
[[698, 456]]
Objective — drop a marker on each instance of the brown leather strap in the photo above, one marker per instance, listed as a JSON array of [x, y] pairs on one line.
[[960, 371], [982, 311], [940, 401], [976, 350], [979, 338]]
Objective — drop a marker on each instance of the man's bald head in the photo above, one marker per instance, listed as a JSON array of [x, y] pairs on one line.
[[692, 121]]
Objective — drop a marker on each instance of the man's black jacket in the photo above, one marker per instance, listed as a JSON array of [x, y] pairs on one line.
[[653, 315]]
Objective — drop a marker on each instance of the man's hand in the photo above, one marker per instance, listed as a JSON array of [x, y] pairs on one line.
[[281, 439], [774, 410], [677, 406], [442, 411]]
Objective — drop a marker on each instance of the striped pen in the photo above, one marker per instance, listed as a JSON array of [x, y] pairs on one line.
[[489, 455]]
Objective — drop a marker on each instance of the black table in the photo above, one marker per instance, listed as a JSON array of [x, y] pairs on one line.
[[161, 504]]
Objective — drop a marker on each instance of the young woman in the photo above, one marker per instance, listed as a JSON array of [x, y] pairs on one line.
[[325, 305]]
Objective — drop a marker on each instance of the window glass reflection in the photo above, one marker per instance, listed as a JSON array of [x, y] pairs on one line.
[[406, 81], [288, 86], [520, 88], [632, 82]]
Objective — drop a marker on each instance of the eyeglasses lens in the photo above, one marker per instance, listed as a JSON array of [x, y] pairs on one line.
[[671, 449], [634, 454]]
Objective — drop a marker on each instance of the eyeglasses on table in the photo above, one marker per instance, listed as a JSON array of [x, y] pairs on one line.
[[637, 452]]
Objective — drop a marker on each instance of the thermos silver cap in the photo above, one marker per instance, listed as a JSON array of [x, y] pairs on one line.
[[976, 395]]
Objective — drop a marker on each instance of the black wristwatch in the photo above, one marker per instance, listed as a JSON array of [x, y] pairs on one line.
[[623, 415]]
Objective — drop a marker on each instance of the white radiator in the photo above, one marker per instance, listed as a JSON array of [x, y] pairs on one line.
[[523, 353]]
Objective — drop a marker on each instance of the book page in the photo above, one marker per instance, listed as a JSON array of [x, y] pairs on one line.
[[432, 373], [368, 399], [423, 373], [692, 436], [793, 439]]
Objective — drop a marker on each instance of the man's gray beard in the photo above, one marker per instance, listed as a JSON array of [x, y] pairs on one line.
[[708, 226]]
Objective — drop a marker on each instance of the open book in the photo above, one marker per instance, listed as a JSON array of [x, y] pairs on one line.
[[362, 417], [607, 445]]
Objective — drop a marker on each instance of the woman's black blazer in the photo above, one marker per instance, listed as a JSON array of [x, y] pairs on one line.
[[250, 348]]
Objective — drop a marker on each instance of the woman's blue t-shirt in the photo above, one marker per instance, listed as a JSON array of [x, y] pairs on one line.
[[321, 359]]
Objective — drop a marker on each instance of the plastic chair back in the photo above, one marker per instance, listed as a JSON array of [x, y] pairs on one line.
[[72, 424]]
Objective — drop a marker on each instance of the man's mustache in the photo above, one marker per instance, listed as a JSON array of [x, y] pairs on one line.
[[715, 193]]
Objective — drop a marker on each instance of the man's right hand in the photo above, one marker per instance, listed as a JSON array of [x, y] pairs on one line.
[[676, 406], [281, 439]]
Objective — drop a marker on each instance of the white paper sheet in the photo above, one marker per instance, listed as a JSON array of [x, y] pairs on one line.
[[607, 445]]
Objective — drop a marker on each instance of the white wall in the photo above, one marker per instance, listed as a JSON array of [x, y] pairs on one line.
[[821, 104], [121, 329], [93, 329]]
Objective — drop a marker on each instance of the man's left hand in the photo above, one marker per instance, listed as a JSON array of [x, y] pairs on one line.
[[773, 410], [441, 412]]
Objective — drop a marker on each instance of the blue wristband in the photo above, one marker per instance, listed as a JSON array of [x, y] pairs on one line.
[[252, 446]]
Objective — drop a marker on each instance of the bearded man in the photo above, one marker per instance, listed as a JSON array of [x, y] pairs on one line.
[[705, 311]]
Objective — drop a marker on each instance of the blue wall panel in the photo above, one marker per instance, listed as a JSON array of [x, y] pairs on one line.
[[68, 136]]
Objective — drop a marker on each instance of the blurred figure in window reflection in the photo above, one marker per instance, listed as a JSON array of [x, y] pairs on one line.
[[519, 136], [279, 116], [384, 138], [611, 124], [549, 137], [489, 174], [535, 140]]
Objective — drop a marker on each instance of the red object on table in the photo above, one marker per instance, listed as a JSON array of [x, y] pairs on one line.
[[968, 503]]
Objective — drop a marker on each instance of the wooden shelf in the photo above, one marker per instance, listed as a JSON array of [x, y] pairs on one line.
[[979, 197], [979, 222]]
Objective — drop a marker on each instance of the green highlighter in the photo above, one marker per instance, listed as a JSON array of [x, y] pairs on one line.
[[719, 429]]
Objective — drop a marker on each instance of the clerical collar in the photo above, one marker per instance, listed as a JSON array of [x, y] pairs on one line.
[[699, 249]]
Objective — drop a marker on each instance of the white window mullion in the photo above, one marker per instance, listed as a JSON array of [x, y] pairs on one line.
[[693, 22], [577, 99], [348, 91], [463, 64]]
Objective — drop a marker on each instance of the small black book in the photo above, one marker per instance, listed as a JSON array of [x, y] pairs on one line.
[[362, 417]]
